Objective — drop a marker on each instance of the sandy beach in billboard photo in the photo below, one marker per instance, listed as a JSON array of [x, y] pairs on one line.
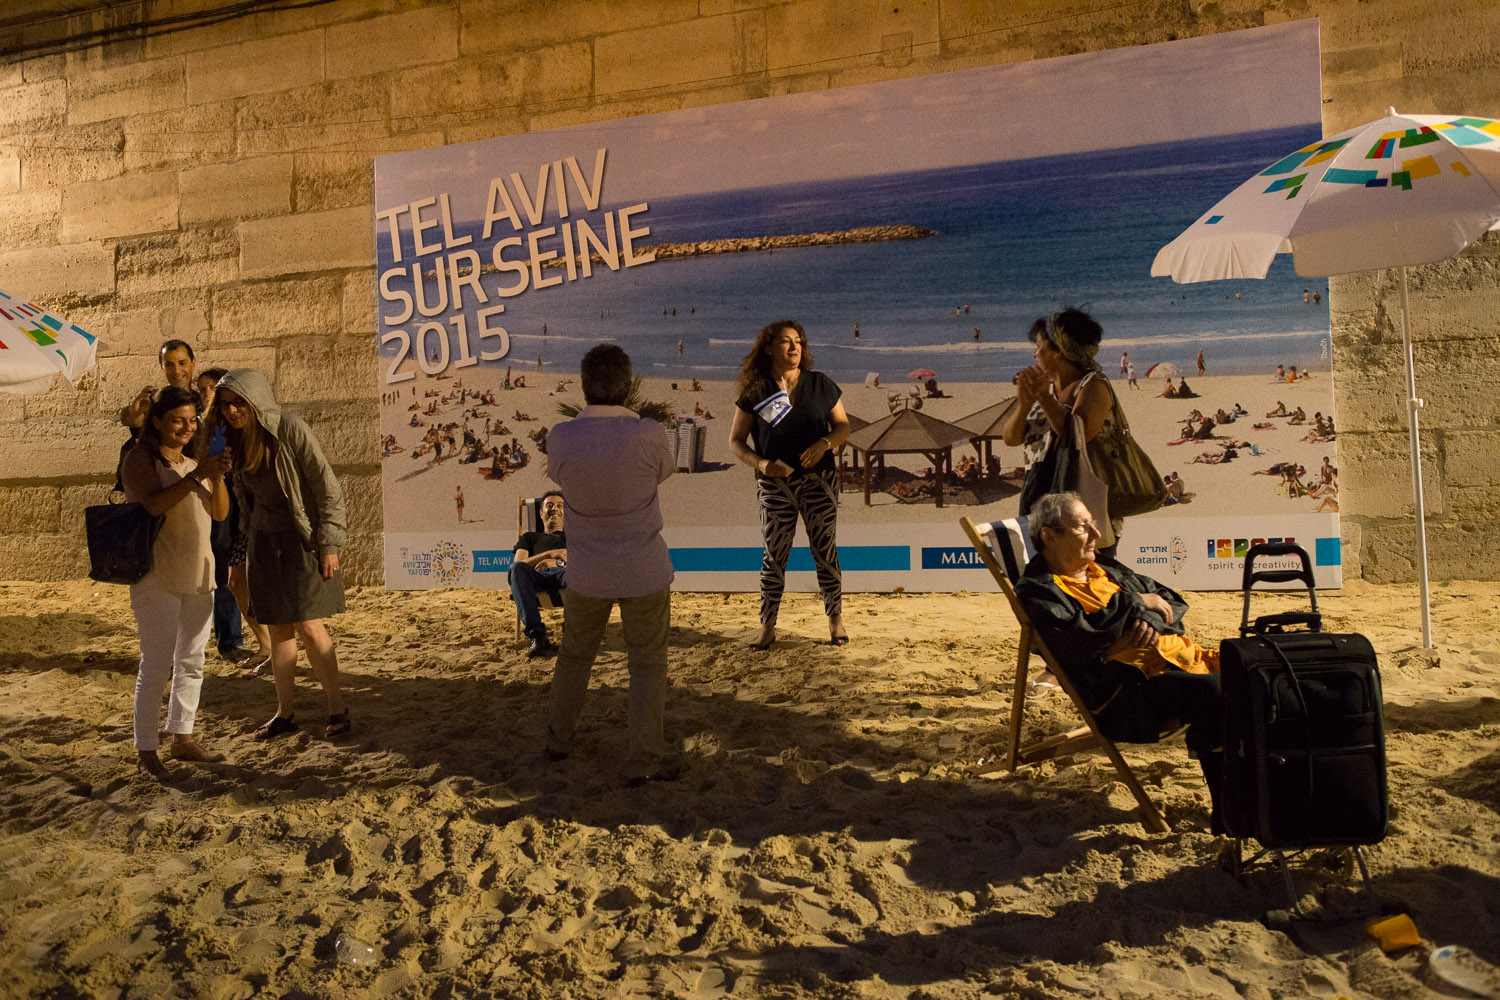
[[824, 840], [721, 492]]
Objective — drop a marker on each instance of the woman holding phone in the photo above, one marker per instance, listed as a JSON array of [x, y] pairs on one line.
[[173, 603], [292, 512], [788, 424]]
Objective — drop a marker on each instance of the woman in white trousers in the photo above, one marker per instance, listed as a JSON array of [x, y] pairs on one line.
[[173, 603]]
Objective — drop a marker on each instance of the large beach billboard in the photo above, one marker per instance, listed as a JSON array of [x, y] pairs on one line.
[[916, 228]]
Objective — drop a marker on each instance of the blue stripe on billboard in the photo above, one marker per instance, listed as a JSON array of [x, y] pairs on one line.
[[746, 559], [493, 560], [1328, 552]]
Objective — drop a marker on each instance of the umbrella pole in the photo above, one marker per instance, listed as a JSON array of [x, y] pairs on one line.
[[1414, 404]]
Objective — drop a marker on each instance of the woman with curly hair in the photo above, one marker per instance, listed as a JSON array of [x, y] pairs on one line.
[[789, 422]]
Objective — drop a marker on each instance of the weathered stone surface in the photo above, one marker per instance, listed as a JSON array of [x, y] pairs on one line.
[[59, 449], [817, 33], [311, 241], [378, 44], [256, 67], [32, 107], [74, 499], [346, 432], [172, 262], [43, 557], [325, 369], [510, 25], [123, 206], [30, 218], [244, 189], [11, 75], [1472, 458], [1363, 65], [357, 312], [363, 559], [131, 89], [10, 174], [294, 19], [1375, 476], [493, 85], [74, 154], [331, 178], [263, 311], [191, 136], [141, 331], [82, 268], [342, 115], [711, 48], [43, 68], [29, 509], [82, 400]]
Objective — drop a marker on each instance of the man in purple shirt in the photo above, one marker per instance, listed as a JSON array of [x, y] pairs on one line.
[[609, 461]]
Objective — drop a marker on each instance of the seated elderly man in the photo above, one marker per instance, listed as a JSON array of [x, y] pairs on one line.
[[1119, 638]]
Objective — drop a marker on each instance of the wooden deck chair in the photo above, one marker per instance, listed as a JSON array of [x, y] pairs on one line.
[[529, 518], [1005, 548]]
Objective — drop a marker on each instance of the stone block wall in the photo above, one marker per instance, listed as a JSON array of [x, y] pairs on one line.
[[216, 184]]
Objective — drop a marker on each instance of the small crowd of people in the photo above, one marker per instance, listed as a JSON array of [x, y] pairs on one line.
[[224, 452]]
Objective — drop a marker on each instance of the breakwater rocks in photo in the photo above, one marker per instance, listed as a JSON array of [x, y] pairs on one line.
[[746, 244]]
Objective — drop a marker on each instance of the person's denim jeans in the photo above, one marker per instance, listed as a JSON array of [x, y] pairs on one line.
[[228, 635], [525, 584]]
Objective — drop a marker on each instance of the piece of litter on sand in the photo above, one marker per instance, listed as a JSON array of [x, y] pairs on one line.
[[1466, 970]]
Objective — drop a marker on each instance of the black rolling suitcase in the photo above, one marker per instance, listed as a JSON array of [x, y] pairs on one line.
[[1304, 748]]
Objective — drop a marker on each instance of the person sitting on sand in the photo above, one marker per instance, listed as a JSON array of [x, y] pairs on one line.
[[1221, 418], [1240, 411], [1175, 489], [563, 385], [1280, 410], [1184, 392], [1299, 416], [1280, 373], [1291, 479], [1119, 640], [1168, 392], [697, 386], [519, 383], [1204, 431], [1291, 374], [1169, 499]]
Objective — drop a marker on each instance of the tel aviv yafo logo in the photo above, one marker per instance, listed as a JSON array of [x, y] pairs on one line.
[[450, 563]]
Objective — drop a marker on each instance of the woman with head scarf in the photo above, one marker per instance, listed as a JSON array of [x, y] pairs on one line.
[[292, 509]]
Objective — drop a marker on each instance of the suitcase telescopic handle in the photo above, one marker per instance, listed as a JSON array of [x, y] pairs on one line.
[[1253, 576]]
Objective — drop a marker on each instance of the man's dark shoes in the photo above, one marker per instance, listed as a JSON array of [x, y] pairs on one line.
[[540, 646]]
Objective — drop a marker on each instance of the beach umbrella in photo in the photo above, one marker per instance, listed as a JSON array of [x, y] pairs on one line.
[[921, 373], [1400, 191], [36, 344], [1163, 369]]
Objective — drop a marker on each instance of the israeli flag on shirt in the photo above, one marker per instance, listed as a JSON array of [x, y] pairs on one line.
[[774, 408]]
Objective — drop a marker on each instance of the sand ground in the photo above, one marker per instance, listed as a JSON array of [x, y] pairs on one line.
[[419, 492], [825, 839]]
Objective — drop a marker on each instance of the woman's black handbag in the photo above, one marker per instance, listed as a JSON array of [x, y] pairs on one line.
[[120, 539]]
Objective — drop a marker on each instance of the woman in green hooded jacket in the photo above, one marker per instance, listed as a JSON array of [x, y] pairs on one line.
[[292, 513]]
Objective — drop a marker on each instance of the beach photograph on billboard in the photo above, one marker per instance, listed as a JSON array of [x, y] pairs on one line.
[[915, 228]]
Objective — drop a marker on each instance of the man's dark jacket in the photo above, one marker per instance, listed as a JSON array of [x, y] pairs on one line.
[[1078, 640]]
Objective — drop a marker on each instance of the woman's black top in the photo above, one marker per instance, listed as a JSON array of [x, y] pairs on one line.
[[812, 398]]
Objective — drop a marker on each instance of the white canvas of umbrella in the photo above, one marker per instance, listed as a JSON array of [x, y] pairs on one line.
[[1400, 191], [1163, 369], [36, 344]]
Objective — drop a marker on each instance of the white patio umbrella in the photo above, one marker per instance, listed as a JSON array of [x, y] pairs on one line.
[[1403, 190], [36, 344]]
